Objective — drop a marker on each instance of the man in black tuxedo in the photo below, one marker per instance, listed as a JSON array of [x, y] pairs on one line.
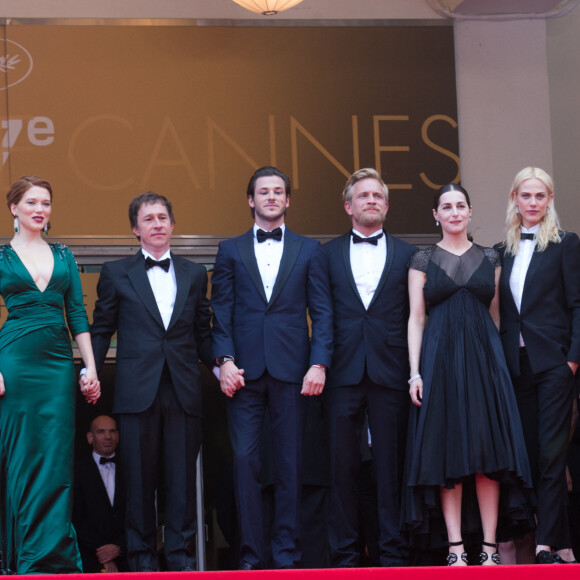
[[370, 367], [156, 302], [99, 501], [263, 284]]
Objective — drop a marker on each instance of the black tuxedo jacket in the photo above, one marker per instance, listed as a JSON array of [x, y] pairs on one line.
[[274, 334], [377, 337], [126, 304], [549, 320], [96, 521]]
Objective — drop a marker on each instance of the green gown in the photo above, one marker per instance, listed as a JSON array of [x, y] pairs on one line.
[[37, 415]]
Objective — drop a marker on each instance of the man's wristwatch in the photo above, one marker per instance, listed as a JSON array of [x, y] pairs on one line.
[[220, 360]]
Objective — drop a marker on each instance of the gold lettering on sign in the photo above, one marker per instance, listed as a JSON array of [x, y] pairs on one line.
[[424, 134], [380, 148], [72, 149], [41, 131], [212, 128], [295, 126], [169, 132]]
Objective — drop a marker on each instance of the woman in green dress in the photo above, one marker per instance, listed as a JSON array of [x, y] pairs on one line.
[[37, 389]]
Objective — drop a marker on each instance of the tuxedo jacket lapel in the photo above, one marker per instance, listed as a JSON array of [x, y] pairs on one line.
[[248, 256], [348, 267], [291, 250], [140, 281], [119, 491], [100, 488], [533, 268], [182, 281], [386, 269]]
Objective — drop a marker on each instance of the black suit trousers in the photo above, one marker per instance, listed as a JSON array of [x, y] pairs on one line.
[[388, 411], [164, 438], [545, 406]]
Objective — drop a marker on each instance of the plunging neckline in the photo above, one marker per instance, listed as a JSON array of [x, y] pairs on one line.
[[28, 271]]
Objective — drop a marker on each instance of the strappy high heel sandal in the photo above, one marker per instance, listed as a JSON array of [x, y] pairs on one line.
[[452, 558], [484, 556]]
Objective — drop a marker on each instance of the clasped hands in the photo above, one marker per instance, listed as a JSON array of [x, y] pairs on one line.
[[232, 380], [90, 386], [107, 555]]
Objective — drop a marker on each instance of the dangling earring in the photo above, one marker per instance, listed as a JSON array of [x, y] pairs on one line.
[[46, 229], [470, 218], [15, 225], [437, 223], [547, 210], [517, 209]]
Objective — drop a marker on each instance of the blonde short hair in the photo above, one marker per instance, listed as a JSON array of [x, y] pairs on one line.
[[366, 173]]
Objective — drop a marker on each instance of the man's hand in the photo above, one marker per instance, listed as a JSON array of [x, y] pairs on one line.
[[313, 382], [231, 378], [108, 553], [110, 567]]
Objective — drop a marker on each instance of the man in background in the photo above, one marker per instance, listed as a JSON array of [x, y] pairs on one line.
[[99, 501]]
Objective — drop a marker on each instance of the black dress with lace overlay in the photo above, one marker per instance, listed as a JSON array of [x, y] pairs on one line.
[[468, 422]]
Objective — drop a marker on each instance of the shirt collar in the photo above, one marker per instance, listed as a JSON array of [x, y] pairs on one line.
[[97, 457], [148, 255], [379, 231], [257, 227]]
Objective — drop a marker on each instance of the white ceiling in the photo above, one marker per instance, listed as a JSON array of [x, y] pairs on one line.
[[214, 9], [308, 10]]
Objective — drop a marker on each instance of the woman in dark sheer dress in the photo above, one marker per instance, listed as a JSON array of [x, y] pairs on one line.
[[465, 438]]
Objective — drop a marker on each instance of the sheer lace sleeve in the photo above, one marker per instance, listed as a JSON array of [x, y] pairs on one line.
[[493, 256], [421, 258]]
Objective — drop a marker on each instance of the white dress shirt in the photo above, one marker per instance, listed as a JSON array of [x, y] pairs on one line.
[[269, 256], [107, 471], [520, 268], [164, 286], [368, 262]]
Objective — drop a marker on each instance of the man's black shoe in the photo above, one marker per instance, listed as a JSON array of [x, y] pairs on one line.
[[247, 566]]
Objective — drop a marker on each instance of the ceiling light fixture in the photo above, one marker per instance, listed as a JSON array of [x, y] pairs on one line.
[[267, 7]]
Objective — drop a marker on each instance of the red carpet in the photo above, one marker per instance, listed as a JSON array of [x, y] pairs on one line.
[[546, 572]]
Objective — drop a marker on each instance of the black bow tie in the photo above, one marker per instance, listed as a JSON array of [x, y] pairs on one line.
[[356, 239], [262, 235], [527, 236], [105, 460], [150, 263]]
